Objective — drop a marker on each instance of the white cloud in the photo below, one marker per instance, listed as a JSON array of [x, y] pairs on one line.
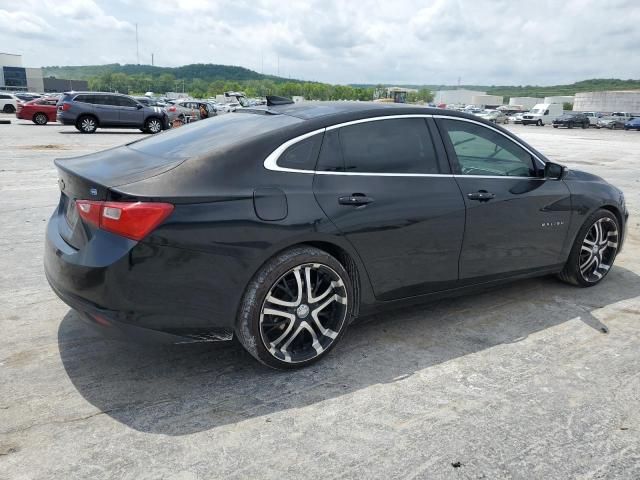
[[409, 41]]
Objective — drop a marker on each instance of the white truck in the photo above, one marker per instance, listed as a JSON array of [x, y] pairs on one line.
[[542, 114], [593, 118]]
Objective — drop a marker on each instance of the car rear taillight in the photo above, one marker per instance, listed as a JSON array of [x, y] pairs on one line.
[[134, 220], [64, 107]]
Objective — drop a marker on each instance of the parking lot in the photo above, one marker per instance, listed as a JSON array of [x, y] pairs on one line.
[[532, 380]]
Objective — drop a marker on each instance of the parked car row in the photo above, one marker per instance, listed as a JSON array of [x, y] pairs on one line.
[[88, 111]]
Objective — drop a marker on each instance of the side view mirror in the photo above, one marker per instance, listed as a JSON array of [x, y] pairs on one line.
[[554, 171], [138, 106]]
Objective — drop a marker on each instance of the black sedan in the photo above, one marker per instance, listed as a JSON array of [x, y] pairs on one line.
[[571, 120], [281, 225]]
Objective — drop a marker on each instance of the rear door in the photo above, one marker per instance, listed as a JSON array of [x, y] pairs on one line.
[[381, 183], [516, 220], [107, 109], [131, 113]]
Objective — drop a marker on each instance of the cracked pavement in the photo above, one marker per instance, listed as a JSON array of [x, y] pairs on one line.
[[531, 380]]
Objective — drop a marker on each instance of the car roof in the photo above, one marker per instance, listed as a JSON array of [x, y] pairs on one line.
[[328, 112]]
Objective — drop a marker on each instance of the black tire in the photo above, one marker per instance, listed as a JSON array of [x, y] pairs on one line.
[[570, 125], [585, 125], [87, 124], [255, 327], [153, 125], [40, 118], [8, 108], [555, 126], [539, 123], [572, 272]]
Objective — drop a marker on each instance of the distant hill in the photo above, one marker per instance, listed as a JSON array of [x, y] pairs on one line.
[[592, 85], [204, 71]]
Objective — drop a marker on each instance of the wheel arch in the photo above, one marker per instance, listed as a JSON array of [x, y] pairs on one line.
[[349, 259]]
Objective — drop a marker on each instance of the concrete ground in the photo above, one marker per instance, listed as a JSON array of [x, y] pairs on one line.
[[535, 380]]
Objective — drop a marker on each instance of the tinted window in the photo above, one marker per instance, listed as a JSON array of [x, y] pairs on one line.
[[482, 151], [4, 97], [126, 102], [302, 155], [330, 159], [83, 98], [400, 145], [108, 100]]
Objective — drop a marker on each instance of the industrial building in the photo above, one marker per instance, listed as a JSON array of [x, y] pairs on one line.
[[14, 77], [484, 100], [526, 103], [608, 101], [456, 97]]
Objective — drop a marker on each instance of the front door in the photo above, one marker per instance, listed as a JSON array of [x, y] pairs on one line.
[[517, 220], [381, 184], [131, 112], [106, 108]]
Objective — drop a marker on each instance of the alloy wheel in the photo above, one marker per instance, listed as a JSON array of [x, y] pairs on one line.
[[154, 126], [40, 119], [598, 250], [88, 124], [303, 312]]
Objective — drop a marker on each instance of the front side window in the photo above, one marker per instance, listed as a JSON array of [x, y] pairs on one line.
[[126, 102], [399, 145], [482, 151]]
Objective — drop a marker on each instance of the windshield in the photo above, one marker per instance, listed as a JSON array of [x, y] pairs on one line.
[[536, 110]]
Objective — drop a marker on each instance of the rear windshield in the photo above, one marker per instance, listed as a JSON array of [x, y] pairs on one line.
[[211, 135]]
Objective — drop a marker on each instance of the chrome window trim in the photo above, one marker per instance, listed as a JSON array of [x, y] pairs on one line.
[[271, 162]]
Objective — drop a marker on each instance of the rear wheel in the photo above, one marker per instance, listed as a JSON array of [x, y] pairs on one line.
[[570, 125], [593, 251], [153, 125], [8, 108], [40, 119], [585, 125], [87, 124], [296, 308]]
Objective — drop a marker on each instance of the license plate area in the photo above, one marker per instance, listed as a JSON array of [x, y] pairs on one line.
[[70, 213]]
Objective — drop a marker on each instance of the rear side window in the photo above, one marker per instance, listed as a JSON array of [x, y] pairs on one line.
[[5, 97], [401, 145], [83, 98], [302, 155]]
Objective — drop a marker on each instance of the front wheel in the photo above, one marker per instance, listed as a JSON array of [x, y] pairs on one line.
[[153, 125], [593, 251], [539, 123], [296, 308]]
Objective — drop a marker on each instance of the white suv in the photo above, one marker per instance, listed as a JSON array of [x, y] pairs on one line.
[[8, 102]]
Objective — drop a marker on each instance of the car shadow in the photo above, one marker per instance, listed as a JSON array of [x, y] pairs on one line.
[[184, 389]]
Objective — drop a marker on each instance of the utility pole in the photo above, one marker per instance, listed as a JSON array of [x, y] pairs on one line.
[[262, 62], [137, 49], [152, 59], [278, 65]]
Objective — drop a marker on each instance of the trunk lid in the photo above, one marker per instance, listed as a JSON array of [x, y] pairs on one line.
[[90, 177]]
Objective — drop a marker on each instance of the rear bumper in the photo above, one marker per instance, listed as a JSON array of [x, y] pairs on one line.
[[130, 289], [65, 119]]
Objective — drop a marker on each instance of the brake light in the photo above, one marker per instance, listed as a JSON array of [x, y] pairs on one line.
[[65, 106], [134, 220]]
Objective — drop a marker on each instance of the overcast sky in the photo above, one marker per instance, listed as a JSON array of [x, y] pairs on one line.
[[498, 42]]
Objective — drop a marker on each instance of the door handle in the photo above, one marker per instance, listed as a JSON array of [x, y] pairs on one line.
[[481, 196], [355, 199]]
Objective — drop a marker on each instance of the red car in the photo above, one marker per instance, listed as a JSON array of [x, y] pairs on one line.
[[39, 111]]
